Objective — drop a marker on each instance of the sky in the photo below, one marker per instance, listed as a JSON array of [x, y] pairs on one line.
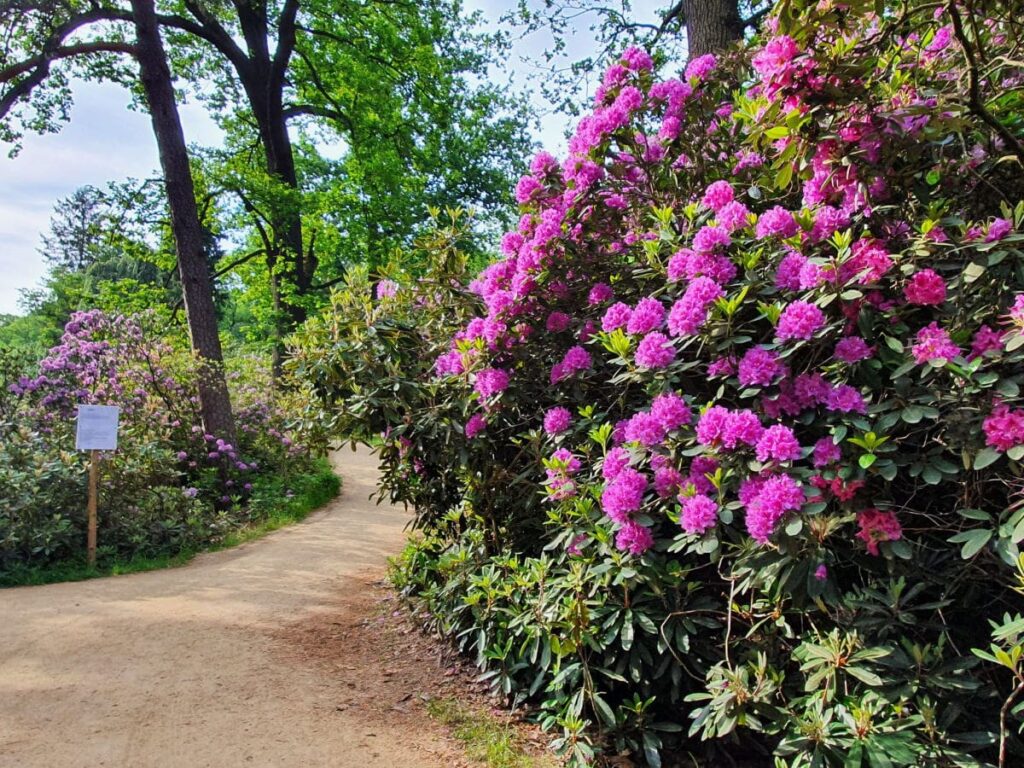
[[105, 141]]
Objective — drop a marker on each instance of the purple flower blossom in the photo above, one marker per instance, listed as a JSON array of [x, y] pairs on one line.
[[718, 195], [776, 222], [708, 238], [770, 500], [778, 443], [799, 320], [826, 452], [759, 367], [853, 349], [557, 420], [699, 514], [623, 494], [476, 424], [645, 428], [616, 316], [615, 461], [671, 411], [634, 538], [491, 382], [647, 316], [655, 350], [932, 343], [600, 293]]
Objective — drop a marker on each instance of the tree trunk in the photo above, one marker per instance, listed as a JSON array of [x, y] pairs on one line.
[[286, 220], [196, 286], [711, 25]]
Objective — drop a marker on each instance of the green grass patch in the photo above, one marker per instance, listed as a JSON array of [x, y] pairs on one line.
[[485, 739], [270, 509]]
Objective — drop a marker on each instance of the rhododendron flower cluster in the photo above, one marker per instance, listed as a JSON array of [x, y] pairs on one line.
[[774, 316]]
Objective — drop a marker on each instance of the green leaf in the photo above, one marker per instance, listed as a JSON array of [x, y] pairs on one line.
[[866, 460], [603, 710], [972, 541], [984, 457], [864, 676]]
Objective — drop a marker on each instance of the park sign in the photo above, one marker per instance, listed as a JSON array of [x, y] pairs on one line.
[[96, 431], [97, 428]]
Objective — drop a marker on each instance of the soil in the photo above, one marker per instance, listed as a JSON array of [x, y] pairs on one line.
[[286, 651]]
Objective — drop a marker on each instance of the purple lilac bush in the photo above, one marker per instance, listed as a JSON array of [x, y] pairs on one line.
[[729, 457]]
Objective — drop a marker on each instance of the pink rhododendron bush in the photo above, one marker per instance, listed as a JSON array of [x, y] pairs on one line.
[[170, 488], [728, 460]]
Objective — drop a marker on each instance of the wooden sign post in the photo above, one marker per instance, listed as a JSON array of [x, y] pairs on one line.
[[97, 431]]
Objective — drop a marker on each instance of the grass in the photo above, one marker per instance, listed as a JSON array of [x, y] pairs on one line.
[[485, 739], [270, 508]]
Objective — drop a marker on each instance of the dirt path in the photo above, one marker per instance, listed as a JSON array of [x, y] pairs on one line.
[[190, 666]]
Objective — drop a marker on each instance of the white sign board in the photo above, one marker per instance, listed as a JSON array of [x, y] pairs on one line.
[[97, 427]]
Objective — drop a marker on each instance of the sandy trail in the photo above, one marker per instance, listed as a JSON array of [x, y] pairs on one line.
[[182, 667]]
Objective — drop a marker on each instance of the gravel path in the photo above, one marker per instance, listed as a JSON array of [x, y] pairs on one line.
[[182, 667]]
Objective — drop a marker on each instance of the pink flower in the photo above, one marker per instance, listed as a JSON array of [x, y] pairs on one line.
[[671, 411], [741, 427], [667, 481], [787, 276], [775, 55], [986, 340], [933, 343], [718, 195], [778, 443], [759, 367], [877, 526], [386, 289], [575, 360], [853, 349], [557, 322], [699, 513], [634, 538], [557, 420], [647, 316], [998, 229], [655, 350], [708, 238], [701, 67], [691, 311], [615, 461], [926, 288], [1016, 312], [623, 494], [491, 382], [644, 428], [821, 572], [733, 216], [616, 316], [711, 425], [722, 366], [600, 293], [845, 399], [826, 452], [799, 321], [637, 59], [476, 424], [776, 222], [768, 501], [1004, 429]]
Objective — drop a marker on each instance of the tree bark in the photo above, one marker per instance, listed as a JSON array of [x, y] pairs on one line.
[[711, 25], [196, 285]]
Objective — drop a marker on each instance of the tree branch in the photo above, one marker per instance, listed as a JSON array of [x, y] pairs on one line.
[[975, 101]]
